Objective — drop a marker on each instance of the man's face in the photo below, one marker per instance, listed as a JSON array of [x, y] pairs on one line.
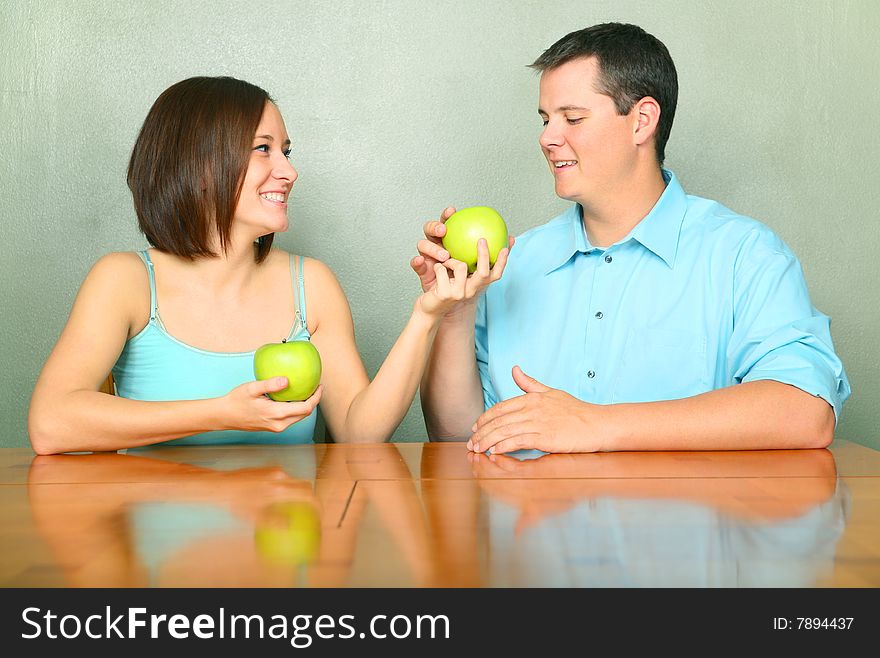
[[589, 147]]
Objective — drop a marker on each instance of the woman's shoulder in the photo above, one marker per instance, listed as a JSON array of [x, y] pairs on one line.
[[119, 269], [314, 270], [117, 285], [324, 295]]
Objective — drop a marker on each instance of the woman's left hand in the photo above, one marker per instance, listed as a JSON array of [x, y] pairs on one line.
[[452, 285]]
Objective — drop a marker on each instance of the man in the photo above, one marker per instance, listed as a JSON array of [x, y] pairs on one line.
[[646, 319]]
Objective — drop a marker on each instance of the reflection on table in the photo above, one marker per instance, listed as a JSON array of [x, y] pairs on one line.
[[642, 519], [723, 532], [136, 520], [415, 515]]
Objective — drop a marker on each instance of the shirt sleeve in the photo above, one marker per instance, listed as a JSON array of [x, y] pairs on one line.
[[481, 341], [777, 333]]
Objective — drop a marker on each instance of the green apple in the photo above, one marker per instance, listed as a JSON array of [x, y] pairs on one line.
[[465, 228], [298, 360], [288, 533]]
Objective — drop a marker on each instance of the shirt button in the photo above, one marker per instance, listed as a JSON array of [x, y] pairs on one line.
[[608, 259], [599, 315], [591, 374]]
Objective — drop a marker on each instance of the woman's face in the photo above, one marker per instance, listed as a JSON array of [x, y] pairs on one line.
[[269, 178]]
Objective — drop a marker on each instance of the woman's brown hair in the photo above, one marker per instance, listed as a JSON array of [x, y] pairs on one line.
[[188, 164]]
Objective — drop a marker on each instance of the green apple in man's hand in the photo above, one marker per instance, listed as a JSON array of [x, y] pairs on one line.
[[465, 228], [298, 360]]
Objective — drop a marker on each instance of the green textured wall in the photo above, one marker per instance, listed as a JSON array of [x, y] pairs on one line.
[[397, 109]]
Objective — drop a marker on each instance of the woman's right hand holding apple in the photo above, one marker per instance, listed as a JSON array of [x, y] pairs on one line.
[[247, 408]]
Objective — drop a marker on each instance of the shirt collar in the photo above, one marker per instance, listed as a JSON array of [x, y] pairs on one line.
[[574, 241], [658, 231]]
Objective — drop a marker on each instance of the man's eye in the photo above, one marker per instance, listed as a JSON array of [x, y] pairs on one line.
[[544, 122], [574, 121]]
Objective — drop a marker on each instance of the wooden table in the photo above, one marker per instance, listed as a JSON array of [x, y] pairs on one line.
[[416, 515]]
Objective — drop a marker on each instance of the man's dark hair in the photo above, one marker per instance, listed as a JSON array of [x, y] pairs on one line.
[[632, 65], [188, 164]]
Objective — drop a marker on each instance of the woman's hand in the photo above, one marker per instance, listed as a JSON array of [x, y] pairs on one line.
[[247, 408], [433, 265], [431, 250], [451, 285]]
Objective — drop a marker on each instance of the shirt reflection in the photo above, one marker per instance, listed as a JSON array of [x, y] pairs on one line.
[[611, 530]]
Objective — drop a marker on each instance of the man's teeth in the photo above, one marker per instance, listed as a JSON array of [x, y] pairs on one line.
[[273, 196], [564, 163]]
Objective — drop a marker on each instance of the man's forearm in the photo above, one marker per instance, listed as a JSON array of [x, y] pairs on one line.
[[451, 393], [752, 416]]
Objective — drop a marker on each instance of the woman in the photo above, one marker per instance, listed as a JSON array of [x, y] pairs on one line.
[[210, 178]]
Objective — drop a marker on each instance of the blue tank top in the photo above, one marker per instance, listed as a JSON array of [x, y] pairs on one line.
[[155, 366]]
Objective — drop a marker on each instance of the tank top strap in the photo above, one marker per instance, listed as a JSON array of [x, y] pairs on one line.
[[302, 291], [145, 256], [299, 295]]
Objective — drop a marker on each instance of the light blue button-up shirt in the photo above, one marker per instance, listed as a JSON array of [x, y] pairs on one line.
[[694, 299]]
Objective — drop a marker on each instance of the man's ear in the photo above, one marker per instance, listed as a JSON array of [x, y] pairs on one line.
[[647, 115]]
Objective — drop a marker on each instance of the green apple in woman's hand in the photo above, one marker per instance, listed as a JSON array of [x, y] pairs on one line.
[[298, 360]]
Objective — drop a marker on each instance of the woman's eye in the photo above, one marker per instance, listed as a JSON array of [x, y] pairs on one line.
[[286, 153], [262, 147]]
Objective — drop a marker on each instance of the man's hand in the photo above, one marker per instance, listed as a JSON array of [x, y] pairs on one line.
[[526, 485], [543, 419]]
